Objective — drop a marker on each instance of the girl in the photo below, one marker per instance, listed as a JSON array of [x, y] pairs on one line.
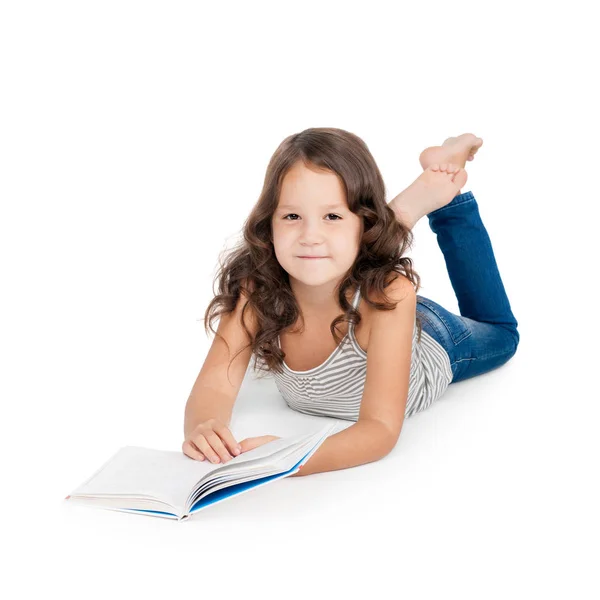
[[321, 238]]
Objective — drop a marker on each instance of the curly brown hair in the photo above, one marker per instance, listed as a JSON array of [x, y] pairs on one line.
[[251, 267]]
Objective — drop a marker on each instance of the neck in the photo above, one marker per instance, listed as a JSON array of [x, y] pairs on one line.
[[318, 301]]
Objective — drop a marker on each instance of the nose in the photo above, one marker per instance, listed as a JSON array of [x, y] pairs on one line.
[[311, 232]]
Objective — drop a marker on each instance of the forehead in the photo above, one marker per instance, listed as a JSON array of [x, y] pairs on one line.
[[304, 186]]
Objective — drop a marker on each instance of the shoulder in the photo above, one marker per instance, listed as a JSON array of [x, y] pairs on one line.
[[401, 292], [399, 289]]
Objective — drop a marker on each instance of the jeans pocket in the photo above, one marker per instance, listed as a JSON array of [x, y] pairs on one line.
[[449, 326]]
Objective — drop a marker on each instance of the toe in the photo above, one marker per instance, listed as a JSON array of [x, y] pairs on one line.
[[443, 166], [460, 178]]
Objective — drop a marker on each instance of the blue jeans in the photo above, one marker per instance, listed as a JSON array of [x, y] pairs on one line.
[[485, 334]]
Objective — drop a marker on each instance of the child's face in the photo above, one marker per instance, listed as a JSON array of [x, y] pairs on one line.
[[304, 225]]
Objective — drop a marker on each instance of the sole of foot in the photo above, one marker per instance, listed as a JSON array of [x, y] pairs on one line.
[[433, 189], [456, 150]]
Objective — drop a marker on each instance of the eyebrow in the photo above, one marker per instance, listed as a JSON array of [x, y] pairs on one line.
[[293, 206]]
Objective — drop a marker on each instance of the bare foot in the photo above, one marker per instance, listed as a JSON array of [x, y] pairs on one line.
[[455, 150], [434, 188]]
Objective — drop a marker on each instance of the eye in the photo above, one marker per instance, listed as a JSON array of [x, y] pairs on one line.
[[337, 217]]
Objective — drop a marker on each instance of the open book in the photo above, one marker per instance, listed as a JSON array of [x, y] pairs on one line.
[[170, 484]]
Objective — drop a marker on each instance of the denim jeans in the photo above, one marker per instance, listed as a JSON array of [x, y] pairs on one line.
[[485, 334]]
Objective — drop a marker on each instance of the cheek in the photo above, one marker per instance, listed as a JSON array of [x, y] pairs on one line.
[[281, 246], [280, 239]]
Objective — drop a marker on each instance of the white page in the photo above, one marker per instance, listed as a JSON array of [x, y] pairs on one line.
[[166, 475], [280, 461]]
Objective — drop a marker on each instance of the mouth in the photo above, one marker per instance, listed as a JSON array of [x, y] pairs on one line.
[[313, 257]]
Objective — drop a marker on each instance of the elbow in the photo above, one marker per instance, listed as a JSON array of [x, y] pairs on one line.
[[389, 439], [381, 438], [389, 447]]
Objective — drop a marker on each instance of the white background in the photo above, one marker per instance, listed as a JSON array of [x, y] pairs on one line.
[[134, 138]]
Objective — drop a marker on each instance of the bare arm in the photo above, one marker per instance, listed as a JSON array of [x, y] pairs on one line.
[[385, 394], [364, 442], [204, 404], [217, 385]]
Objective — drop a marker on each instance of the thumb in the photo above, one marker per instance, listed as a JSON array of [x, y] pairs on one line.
[[254, 442]]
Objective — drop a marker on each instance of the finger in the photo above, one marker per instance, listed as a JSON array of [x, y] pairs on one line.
[[226, 435], [250, 444], [190, 450], [218, 446], [203, 445], [253, 442]]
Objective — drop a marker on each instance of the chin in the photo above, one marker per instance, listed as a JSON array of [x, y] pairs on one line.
[[317, 279]]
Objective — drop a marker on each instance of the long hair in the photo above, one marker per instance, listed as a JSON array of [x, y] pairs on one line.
[[251, 267]]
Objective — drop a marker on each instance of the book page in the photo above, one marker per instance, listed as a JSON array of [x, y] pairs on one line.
[[136, 471], [172, 476]]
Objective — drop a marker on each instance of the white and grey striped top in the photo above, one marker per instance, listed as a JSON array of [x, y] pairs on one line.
[[335, 388]]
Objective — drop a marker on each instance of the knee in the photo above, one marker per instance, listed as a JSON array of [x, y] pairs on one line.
[[512, 340], [516, 337]]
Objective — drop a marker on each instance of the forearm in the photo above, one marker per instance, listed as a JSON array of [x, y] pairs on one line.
[[210, 404], [361, 443]]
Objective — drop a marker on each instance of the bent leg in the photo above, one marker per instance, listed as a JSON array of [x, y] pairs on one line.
[[473, 347], [471, 264], [485, 334]]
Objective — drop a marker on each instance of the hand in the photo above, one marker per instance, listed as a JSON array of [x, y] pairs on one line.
[[254, 442], [211, 439]]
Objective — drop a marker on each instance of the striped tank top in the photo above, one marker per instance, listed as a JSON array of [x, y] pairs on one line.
[[335, 388]]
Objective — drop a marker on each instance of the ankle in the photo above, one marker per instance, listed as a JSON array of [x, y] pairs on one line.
[[403, 212]]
